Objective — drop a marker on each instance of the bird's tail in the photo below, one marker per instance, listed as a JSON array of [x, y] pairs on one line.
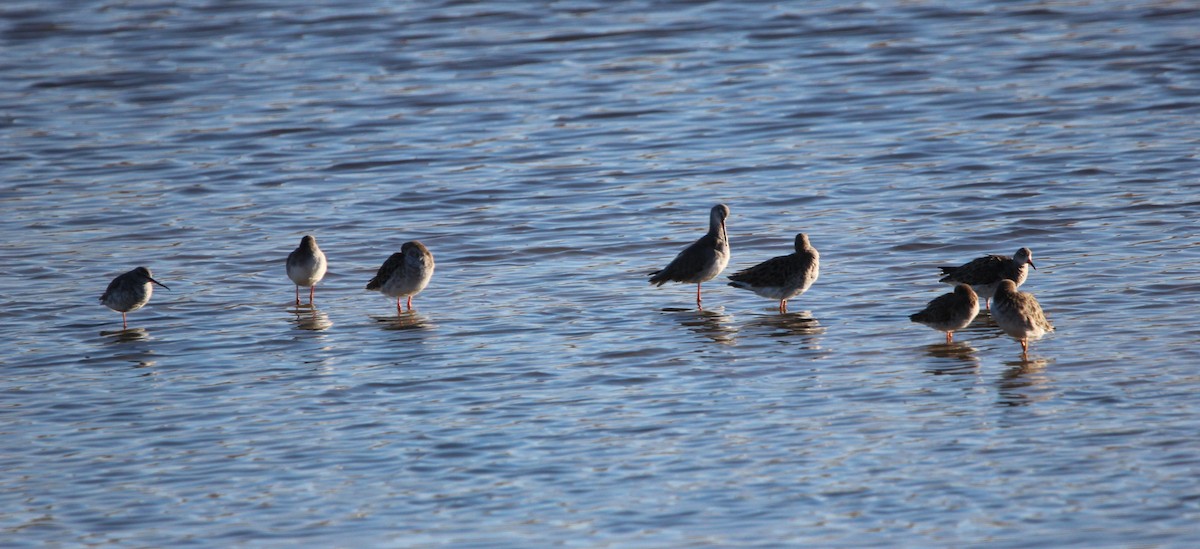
[[658, 278]]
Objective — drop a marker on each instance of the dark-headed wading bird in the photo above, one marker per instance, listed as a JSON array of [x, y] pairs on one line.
[[129, 292]]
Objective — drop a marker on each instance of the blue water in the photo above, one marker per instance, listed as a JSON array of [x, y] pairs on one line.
[[550, 155]]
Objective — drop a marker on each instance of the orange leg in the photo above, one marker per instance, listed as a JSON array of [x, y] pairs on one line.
[[783, 305], [949, 338], [1024, 348], [312, 290], [698, 305], [398, 309], [124, 326], [410, 302]]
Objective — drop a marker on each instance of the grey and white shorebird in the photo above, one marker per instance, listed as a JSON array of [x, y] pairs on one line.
[[1019, 315], [404, 274], [950, 312], [985, 273], [784, 277], [306, 266], [129, 292], [703, 260]]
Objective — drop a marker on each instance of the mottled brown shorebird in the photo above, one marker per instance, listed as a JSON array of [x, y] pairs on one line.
[[703, 260], [784, 277], [950, 312], [1019, 315], [404, 274], [306, 266], [985, 273], [129, 292]]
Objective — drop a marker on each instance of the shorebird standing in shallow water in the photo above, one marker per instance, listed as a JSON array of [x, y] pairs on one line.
[[703, 260], [129, 292], [782, 277], [985, 273], [950, 312], [1019, 315], [405, 273], [306, 267]]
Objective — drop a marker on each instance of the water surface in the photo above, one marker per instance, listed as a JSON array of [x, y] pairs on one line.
[[550, 155]]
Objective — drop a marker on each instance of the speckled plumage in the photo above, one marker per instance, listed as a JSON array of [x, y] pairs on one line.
[[703, 260], [783, 277], [1019, 315], [306, 266], [950, 312], [129, 292], [985, 273], [404, 274]]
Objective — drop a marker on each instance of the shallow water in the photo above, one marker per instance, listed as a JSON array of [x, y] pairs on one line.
[[550, 155]]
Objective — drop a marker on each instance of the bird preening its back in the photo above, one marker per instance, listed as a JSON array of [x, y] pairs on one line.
[[703, 260], [949, 312], [1019, 315]]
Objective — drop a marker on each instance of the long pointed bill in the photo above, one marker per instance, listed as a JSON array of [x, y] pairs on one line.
[[157, 282], [1030, 262]]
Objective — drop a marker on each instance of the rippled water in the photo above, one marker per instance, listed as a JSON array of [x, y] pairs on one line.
[[550, 155]]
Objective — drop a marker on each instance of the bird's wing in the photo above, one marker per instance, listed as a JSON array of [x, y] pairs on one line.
[[396, 261]]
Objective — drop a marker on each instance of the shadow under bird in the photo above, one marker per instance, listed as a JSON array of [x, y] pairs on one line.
[[129, 292], [703, 260], [1019, 315], [985, 273], [404, 274], [950, 312], [784, 277], [306, 266]]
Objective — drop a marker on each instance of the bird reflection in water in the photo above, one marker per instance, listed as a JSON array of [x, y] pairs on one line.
[[311, 318], [407, 320], [956, 358], [791, 327], [1018, 384], [711, 324], [131, 334]]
